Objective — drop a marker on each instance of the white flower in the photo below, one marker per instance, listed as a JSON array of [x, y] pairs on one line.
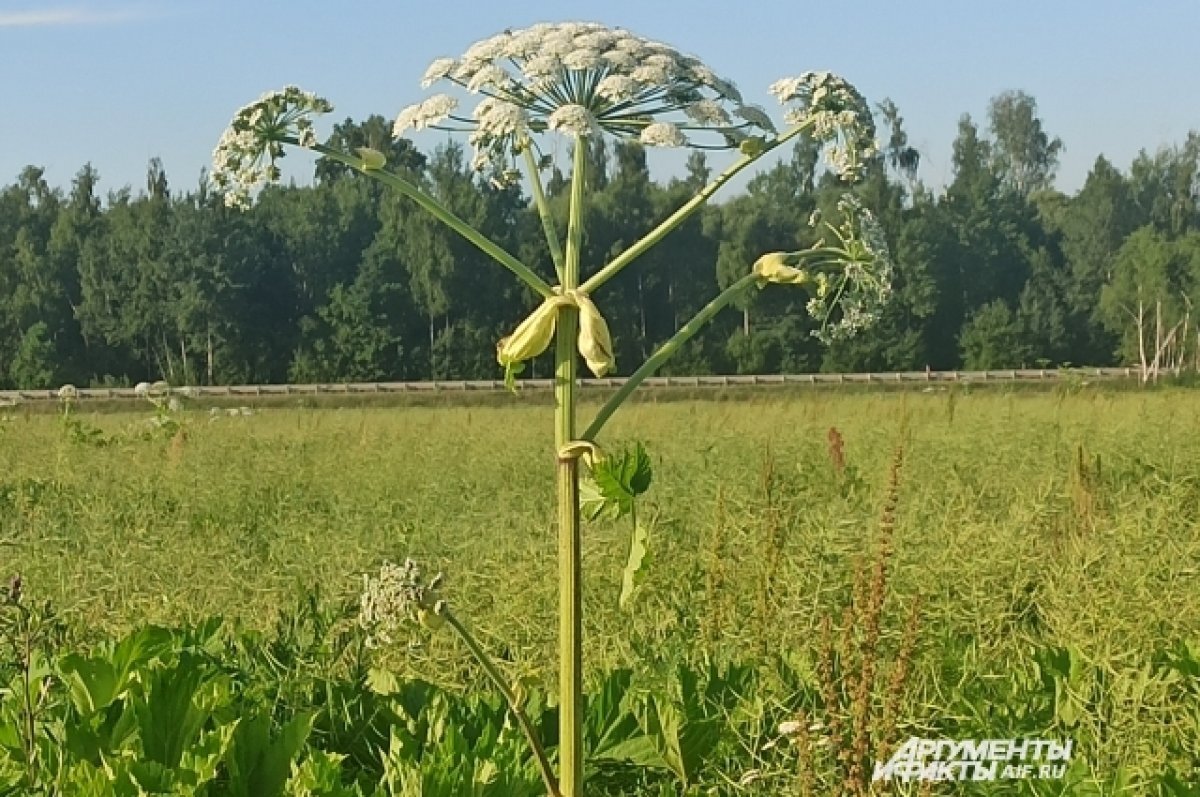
[[852, 297], [789, 728], [837, 114], [438, 70], [500, 118], [574, 119], [141, 389], [424, 114], [662, 134], [68, 392], [246, 155], [708, 112], [618, 88], [490, 77], [579, 78], [582, 59]]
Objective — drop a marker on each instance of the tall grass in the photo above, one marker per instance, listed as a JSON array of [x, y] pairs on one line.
[[1026, 524]]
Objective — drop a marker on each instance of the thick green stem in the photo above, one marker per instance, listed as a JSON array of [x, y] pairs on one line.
[[666, 351], [514, 705], [680, 216], [570, 596], [543, 208], [442, 214]]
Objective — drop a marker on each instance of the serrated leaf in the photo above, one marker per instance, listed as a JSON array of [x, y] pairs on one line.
[[592, 502], [638, 470], [639, 555]]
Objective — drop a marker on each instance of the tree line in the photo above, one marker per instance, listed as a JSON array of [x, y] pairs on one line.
[[342, 280]]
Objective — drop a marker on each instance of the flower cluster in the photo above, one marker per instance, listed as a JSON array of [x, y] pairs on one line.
[[246, 155], [399, 596], [851, 297], [839, 115], [582, 79]]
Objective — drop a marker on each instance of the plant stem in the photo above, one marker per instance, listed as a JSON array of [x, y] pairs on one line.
[[543, 208], [680, 216], [665, 352], [570, 600], [442, 214], [514, 705]]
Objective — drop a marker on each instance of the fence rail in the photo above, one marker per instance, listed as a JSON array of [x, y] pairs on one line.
[[461, 386]]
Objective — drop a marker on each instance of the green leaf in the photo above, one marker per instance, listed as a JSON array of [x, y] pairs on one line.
[[592, 503], [615, 481], [260, 766], [91, 683], [606, 722], [176, 706], [639, 556], [637, 470]]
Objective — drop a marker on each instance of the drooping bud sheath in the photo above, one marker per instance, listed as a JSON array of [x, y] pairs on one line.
[[780, 267], [595, 342], [533, 335]]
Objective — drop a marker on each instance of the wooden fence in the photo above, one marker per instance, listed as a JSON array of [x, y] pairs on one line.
[[658, 383]]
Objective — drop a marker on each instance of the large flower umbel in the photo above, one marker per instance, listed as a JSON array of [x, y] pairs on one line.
[[246, 155], [583, 79]]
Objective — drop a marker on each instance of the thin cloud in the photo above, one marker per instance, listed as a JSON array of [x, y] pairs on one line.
[[48, 17]]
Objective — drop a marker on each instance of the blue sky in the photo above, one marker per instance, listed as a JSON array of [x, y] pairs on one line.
[[116, 83]]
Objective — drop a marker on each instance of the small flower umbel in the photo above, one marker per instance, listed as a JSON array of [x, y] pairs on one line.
[[837, 115], [400, 597], [246, 155], [850, 279], [582, 79], [397, 598]]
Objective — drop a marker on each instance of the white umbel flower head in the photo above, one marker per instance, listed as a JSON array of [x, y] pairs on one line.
[[852, 297], [838, 114], [246, 155], [586, 79]]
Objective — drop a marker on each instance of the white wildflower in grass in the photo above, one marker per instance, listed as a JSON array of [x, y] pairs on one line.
[[394, 599], [851, 297], [246, 155], [586, 79], [68, 392], [838, 114]]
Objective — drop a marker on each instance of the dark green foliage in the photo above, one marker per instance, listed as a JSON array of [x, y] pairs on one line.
[[344, 281]]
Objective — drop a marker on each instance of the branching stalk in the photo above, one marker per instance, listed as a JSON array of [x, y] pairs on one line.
[[543, 209], [666, 351], [514, 705], [441, 213], [681, 215]]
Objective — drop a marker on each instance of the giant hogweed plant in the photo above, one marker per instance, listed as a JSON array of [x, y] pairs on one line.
[[578, 82]]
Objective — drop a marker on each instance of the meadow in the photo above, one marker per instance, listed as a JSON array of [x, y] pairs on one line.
[[874, 566]]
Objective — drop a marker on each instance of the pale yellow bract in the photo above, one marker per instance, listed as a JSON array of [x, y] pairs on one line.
[[533, 335]]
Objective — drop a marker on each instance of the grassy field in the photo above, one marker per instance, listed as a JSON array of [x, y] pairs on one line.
[[1044, 557]]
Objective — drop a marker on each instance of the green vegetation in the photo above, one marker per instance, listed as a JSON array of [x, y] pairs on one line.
[[1039, 573], [345, 280]]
